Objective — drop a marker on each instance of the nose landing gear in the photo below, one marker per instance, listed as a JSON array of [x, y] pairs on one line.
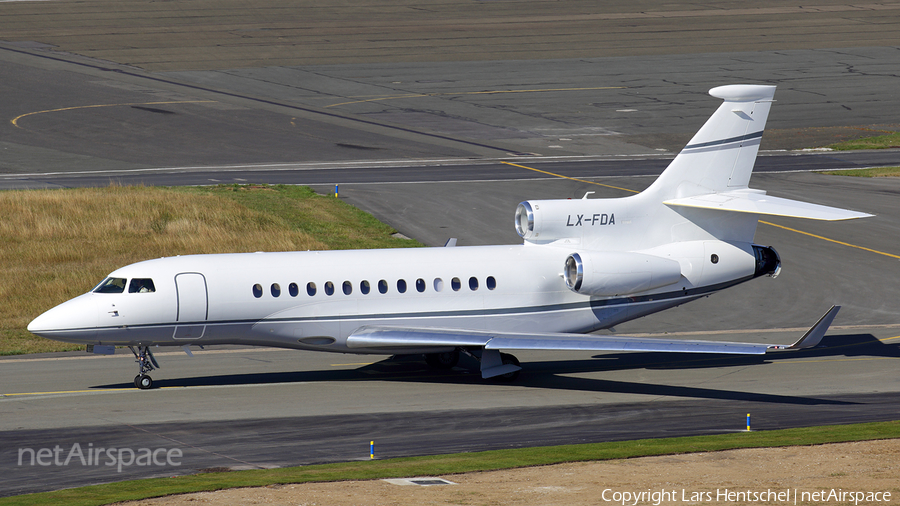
[[146, 363]]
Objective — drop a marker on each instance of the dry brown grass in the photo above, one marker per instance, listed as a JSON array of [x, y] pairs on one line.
[[54, 245]]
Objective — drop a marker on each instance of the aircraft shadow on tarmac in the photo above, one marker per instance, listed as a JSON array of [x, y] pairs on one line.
[[851, 345], [555, 373]]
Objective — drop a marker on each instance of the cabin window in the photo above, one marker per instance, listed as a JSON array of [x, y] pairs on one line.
[[276, 290], [111, 285], [420, 285], [490, 282], [438, 284], [364, 287], [139, 285], [257, 290], [329, 288], [311, 288], [401, 285], [293, 289], [347, 287], [473, 283], [382, 286], [456, 284]]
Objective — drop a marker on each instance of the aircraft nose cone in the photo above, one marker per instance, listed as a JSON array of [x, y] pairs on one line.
[[72, 321]]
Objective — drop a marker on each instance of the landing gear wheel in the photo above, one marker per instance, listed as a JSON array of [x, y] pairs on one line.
[[143, 381], [506, 358], [442, 360], [146, 363]]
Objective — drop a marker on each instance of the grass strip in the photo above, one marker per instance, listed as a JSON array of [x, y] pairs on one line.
[[57, 244], [878, 142], [442, 465], [873, 172]]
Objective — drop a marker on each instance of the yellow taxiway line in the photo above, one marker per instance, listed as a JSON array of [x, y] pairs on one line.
[[831, 240], [569, 178]]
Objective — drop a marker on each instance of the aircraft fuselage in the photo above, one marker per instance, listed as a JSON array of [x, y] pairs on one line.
[[315, 299]]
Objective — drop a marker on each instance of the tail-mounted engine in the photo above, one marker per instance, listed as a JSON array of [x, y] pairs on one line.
[[606, 273], [546, 221]]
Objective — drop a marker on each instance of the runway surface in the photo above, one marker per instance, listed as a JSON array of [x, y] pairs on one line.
[[445, 143]]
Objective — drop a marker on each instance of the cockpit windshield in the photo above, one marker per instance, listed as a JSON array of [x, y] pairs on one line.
[[111, 285], [117, 285]]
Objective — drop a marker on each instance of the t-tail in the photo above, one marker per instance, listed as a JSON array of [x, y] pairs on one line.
[[702, 195], [712, 172], [693, 228]]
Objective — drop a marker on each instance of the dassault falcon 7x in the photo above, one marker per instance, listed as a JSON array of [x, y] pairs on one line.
[[584, 265]]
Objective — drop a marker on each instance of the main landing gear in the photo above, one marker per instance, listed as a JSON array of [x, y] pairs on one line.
[[442, 360], [146, 363]]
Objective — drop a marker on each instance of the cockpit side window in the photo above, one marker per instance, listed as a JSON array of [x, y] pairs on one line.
[[111, 285], [141, 285]]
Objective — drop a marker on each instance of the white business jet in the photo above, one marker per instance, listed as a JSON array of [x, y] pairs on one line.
[[584, 265]]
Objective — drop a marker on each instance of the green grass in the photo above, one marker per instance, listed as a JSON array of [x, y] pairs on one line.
[[443, 465], [57, 244], [873, 172], [878, 142], [329, 220]]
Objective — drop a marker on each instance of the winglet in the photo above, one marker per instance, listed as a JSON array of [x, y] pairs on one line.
[[815, 334]]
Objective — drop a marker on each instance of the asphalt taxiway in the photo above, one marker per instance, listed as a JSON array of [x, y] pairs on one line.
[[240, 408], [427, 145]]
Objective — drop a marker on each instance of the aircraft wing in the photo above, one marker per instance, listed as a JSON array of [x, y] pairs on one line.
[[743, 201], [404, 337]]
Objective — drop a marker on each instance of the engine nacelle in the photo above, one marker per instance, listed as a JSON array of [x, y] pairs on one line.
[[768, 261], [550, 220], [607, 273]]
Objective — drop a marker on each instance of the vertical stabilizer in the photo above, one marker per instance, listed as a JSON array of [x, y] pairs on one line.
[[721, 155]]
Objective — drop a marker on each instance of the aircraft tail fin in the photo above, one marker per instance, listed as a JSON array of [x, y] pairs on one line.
[[721, 155], [713, 170]]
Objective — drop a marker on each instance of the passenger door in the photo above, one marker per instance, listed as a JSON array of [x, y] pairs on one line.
[[193, 305]]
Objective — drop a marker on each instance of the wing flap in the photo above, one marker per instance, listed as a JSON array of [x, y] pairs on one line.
[[405, 337], [621, 343], [424, 338], [395, 337], [743, 201]]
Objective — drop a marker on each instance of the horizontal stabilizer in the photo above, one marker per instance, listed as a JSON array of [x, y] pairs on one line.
[[743, 201]]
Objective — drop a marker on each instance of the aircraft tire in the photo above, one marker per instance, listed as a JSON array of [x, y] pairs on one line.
[[506, 358], [442, 360], [143, 381]]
